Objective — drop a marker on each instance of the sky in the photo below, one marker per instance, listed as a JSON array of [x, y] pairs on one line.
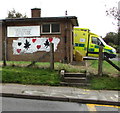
[[90, 13]]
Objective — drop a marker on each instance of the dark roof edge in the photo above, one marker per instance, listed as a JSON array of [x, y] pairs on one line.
[[62, 17], [43, 18]]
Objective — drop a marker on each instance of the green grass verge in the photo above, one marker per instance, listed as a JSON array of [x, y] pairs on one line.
[[29, 76], [107, 68], [41, 75], [46, 65], [109, 83]]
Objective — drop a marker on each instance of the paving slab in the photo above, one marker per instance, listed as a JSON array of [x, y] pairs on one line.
[[71, 94]]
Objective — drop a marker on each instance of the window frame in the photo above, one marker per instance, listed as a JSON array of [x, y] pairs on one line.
[[50, 29], [94, 39], [99, 42], [42, 28]]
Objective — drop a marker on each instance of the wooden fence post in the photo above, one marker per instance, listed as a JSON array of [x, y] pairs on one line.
[[51, 56], [100, 61]]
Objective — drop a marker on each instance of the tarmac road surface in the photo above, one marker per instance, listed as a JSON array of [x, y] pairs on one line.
[[15, 104], [117, 58]]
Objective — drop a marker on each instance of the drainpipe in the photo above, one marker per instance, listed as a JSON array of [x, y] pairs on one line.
[[4, 32]]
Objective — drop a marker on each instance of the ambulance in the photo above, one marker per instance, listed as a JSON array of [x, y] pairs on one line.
[[86, 44]]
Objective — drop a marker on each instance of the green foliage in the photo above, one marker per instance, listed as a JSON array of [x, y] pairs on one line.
[[69, 68], [29, 76], [41, 75], [14, 14], [105, 82], [107, 68], [113, 39], [45, 65]]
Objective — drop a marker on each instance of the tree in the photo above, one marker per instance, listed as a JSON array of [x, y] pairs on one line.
[[14, 14], [114, 12], [114, 38], [111, 37]]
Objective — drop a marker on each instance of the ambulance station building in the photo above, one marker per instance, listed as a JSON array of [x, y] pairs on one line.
[[28, 39]]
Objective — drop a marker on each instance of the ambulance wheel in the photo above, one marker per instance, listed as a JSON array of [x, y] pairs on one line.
[[107, 55]]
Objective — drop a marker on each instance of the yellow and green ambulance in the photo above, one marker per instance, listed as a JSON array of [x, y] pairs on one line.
[[87, 44]]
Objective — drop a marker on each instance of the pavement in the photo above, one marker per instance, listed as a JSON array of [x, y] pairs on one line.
[[60, 93]]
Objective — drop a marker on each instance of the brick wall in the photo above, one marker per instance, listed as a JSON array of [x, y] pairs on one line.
[[64, 51]]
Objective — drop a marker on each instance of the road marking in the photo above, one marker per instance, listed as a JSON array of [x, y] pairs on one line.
[[85, 93], [107, 105], [86, 90], [91, 107]]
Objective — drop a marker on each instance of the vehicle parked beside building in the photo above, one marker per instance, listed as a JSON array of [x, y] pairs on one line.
[[87, 44]]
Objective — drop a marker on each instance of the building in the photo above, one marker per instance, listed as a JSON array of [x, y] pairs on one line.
[[27, 39]]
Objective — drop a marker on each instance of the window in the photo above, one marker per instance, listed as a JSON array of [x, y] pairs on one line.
[[46, 28], [51, 28], [96, 41], [55, 27]]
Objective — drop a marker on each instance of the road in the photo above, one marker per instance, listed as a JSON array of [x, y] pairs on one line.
[[117, 58], [15, 104]]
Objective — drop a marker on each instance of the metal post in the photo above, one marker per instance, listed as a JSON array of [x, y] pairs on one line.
[[100, 61], [51, 56]]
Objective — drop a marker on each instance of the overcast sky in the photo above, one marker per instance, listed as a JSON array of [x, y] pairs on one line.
[[91, 13]]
